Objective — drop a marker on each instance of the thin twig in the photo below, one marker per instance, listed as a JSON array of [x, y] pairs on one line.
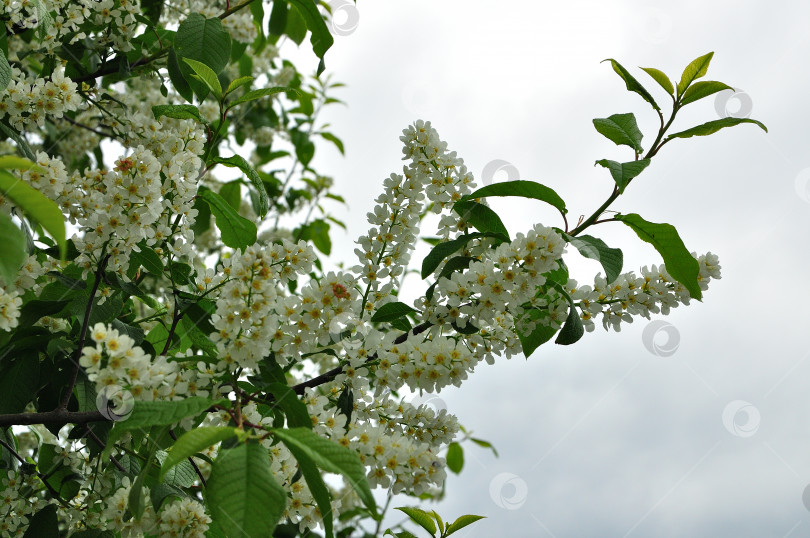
[[99, 274], [39, 475], [191, 461], [99, 442]]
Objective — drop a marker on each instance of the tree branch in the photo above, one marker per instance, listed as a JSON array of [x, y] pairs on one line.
[[57, 417]]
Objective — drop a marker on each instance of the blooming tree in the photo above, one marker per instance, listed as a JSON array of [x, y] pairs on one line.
[[174, 358]]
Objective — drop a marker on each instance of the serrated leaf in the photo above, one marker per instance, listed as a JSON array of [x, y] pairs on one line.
[[572, 330], [632, 84], [664, 237], [621, 129], [712, 127], [194, 441], [701, 89], [623, 173], [696, 69], [179, 82], [420, 517], [462, 522], [596, 249], [240, 162], [391, 311], [239, 82], [483, 218], [204, 40], [148, 259], [180, 112], [236, 231], [321, 38], [330, 457], [661, 79], [22, 144], [446, 248], [243, 496], [37, 206], [294, 409], [455, 457], [206, 75], [14, 249], [316, 486], [5, 72], [522, 189], [252, 95]]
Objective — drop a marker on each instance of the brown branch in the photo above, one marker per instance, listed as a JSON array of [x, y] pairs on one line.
[[300, 388], [69, 392], [42, 477], [89, 431], [57, 417], [231, 10]]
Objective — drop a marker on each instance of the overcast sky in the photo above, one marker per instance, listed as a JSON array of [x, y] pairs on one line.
[[605, 438]]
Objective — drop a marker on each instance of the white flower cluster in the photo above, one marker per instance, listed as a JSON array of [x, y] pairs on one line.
[[116, 360], [185, 518], [239, 25], [655, 291], [250, 309], [28, 101], [10, 304]]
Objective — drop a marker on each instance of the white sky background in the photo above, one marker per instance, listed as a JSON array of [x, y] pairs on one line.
[[604, 438]]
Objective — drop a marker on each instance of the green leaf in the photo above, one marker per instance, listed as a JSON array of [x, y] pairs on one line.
[[596, 249], [294, 25], [696, 69], [420, 517], [335, 140], [316, 486], [18, 139], [19, 382], [194, 441], [158, 413], [37, 206], [523, 189], [15, 249], [152, 9], [17, 163], [661, 79], [180, 112], [240, 162], [623, 173], [206, 75], [252, 95], [321, 39], [664, 237], [294, 409], [317, 231], [712, 127], [632, 84], [148, 259], [455, 457], [204, 40], [572, 330], [239, 82], [243, 497], [483, 218], [702, 89], [231, 192], [391, 311], [446, 248], [399, 534], [176, 76], [331, 457], [5, 72], [462, 522], [484, 444], [43, 524], [237, 232], [622, 129]]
